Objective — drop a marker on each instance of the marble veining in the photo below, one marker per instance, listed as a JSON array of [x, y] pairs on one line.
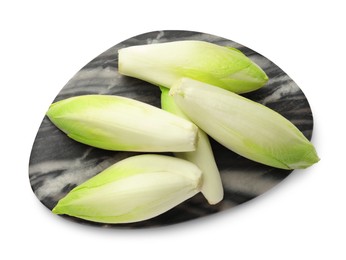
[[58, 164]]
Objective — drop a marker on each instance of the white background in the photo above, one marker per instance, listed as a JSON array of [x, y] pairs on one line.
[[44, 43]]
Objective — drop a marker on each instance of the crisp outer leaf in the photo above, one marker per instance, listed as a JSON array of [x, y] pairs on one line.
[[203, 156]]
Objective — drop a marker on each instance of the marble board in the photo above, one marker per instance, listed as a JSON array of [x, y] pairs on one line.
[[58, 163]]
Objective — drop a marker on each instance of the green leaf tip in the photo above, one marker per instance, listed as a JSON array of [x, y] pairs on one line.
[[135, 189], [164, 63], [244, 126], [124, 124]]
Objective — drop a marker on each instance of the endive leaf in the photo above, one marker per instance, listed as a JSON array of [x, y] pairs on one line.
[[203, 157], [163, 63], [119, 123], [134, 189], [244, 126]]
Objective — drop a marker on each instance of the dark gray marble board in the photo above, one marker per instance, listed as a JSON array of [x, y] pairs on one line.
[[58, 164]]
